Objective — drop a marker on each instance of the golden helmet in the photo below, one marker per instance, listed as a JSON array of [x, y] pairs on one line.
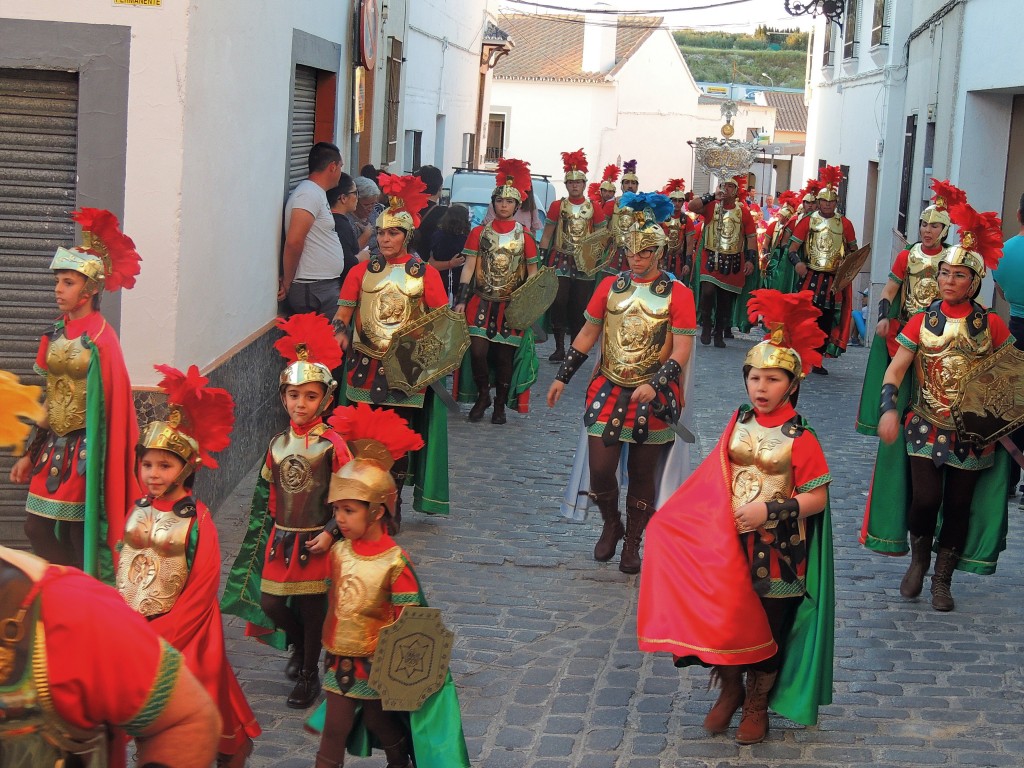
[[407, 197], [771, 353], [629, 171], [648, 209], [367, 477], [312, 351], [107, 256], [794, 337], [981, 240], [77, 260], [575, 165]]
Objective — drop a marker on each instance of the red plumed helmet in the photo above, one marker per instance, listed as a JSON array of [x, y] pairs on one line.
[[611, 173], [575, 164], [204, 414], [105, 239], [360, 422], [946, 195], [792, 323], [308, 337], [515, 174], [981, 239], [407, 194]]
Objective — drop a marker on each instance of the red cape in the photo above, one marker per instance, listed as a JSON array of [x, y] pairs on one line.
[[696, 595], [195, 628]]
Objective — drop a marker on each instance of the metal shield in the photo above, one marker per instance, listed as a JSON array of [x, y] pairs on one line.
[[991, 402], [849, 267], [411, 660], [531, 299], [593, 251], [426, 350]]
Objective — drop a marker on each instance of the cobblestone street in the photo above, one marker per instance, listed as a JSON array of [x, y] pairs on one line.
[[546, 659]]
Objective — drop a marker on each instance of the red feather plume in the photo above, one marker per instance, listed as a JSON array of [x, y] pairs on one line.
[[830, 176], [594, 192], [574, 161], [407, 193], [516, 170], [674, 185], [611, 173], [208, 413], [361, 422], [790, 198], [979, 232], [106, 240], [741, 184], [796, 316], [315, 332], [948, 194], [812, 187]]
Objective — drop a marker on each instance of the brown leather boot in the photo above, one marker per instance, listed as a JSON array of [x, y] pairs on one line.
[[754, 723], [500, 398], [730, 698], [398, 755], [608, 503], [942, 578], [483, 400], [638, 513], [920, 559]]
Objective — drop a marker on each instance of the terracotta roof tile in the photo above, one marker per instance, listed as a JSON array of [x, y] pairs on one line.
[[551, 47], [790, 110]]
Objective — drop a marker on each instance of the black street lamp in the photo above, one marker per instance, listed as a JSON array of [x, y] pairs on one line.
[[830, 9]]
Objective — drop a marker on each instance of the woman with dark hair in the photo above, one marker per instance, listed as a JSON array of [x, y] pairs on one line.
[[446, 246], [343, 200]]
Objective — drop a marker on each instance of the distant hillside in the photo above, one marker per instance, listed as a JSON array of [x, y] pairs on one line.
[[728, 57]]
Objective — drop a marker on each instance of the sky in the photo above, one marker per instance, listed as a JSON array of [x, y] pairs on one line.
[[731, 16]]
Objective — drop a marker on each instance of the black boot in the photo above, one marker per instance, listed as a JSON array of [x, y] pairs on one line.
[[294, 665], [500, 398], [306, 690], [638, 513], [719, 339], [705, 334], [920, 559], [612, 530], [483, 400], [942, 578], [559, 354]]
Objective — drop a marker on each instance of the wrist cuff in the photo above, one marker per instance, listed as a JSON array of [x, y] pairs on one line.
[[884, 305], [888, 401], [781, 511], [462, 294], [573, 360], [668, 373]]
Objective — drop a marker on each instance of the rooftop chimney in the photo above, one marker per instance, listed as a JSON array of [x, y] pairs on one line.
[[599, 42]]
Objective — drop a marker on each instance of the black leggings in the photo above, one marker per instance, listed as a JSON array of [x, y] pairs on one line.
[[61, 543], [502, 355], [929, 492], [304, 629], [715, 306], [640, 464], [341, 712], [566, 312], [780, 612]]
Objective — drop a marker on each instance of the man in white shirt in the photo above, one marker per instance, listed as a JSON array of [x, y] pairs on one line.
[[313, 258]]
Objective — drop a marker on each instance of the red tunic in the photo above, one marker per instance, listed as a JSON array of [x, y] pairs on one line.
[[682, 320], [194, 626], [710, 270]]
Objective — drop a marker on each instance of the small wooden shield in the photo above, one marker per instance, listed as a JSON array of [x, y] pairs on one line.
[[991, 402], [411, 660], [849, 268], [532, 299], [426, 350], [593, 252]]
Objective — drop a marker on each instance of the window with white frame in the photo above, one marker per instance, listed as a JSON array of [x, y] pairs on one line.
[[850, 29]]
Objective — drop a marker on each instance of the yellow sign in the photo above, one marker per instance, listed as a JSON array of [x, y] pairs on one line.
[[359, 95], [156, 3]]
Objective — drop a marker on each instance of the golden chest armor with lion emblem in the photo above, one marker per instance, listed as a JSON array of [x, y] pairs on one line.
[[500, 263], [920, 284], [674, 233], [360, 598], [152, 569], [573, 225], [67, 365], [825, 245], [622, 220], [636, 338], [946, 352], [301, 476], [388, 299], [724, 230]]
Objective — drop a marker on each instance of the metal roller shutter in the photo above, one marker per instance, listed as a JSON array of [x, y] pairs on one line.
[[303, 121], [38, 160]]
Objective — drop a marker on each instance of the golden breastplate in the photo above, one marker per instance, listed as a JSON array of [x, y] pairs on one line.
[[674, 234], [724, 230], [301, 476], [573, 225], [152, 570], [31, 732], [622, 220], [920, 284], [388, 299], [636, 338], [360, 599], [944, 357], [825, 245], [777, 239], [67, 364], [500, 263], [761, 460]]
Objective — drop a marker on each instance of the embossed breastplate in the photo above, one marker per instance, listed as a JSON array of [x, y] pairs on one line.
[[500, 263], [622, 220], [301, 477], [761, 460], [152, 570], [360, 599], [947, 350], [920, 284], [674, 233], [388, 299], [67, 364], [825, 245], [573, 225], [724, 230], [636, 338]]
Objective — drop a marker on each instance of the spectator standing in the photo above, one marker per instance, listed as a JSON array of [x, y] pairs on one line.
[[343, 200], [430, 216], [313, 256], [446, 246], [363, 217]]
